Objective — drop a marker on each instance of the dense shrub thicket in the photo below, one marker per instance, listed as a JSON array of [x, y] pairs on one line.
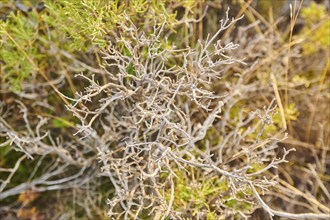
[[163, 109]]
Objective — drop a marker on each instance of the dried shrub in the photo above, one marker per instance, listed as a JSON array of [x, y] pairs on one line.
[[155, 127]]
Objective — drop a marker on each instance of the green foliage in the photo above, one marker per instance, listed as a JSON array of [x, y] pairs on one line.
[[60, 123], [19, 48], [314, 13], [291, 112], [301, 80], [316, 17], [73, 26], [5, 156], [95, 22], [196, 194], [211, 216], [239, 202], [255, 167]]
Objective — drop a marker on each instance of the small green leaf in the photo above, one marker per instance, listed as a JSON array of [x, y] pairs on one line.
[[60, 123]]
